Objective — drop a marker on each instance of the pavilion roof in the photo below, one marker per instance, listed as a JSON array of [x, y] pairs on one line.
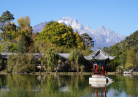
[[99, 55]]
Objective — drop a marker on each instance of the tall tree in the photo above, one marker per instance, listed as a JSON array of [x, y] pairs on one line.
[[87, 40], [4, 19], [24, 26], [26, 29]]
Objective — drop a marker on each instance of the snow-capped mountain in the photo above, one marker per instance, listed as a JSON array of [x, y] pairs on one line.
[[102, 37]]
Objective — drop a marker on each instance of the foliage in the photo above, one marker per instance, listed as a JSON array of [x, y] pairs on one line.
[[1, 63], [126, 52], [25, 32], [60, 35], [20, 63], [24, 26], [51, 58], [1, 47], [11, 33], [131, 60], [4, 19], [87, 40], [21, 45], [87, 52], [77, 59], [8, 46]]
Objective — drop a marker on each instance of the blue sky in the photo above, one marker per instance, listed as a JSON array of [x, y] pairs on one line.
[[119, 15]]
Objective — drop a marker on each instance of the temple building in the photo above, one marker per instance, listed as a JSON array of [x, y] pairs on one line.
[[99, 60]]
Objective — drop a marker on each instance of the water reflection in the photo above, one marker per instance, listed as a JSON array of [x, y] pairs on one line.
[[99, 84], [65, 86], [99, 88], [128, 75]]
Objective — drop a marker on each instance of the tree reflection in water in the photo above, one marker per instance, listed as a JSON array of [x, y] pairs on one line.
[[22, 85]]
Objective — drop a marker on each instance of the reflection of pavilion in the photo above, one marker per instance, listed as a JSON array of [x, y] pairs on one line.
[[99, 88], [99, 84]]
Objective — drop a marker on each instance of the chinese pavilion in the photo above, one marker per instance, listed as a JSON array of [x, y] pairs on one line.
[[99, 59]]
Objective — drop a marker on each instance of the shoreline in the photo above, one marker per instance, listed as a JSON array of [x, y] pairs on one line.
[[66, 73]]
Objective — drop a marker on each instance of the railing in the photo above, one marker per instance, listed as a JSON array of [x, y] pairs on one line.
[[98, 71]]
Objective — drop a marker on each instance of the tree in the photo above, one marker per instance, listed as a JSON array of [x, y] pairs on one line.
[[76, 57], [11, 31], [60, 35], [8, 46], [87, 40], [21, 45], [26, 29], [51, 58], [24, 26], [4, 19], [21, 63], [131, 60]]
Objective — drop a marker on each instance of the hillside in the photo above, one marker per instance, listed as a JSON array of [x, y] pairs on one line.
[[126, 52]]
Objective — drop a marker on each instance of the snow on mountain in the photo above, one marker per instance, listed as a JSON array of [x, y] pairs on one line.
[[75, 24], [102, 37]]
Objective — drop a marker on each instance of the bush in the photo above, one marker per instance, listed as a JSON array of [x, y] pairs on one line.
[[128, 66], [20, 63]]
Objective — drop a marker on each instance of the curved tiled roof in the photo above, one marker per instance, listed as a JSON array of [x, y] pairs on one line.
[[99, 55]]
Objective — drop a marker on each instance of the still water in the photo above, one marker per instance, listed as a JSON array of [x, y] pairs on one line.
[[21, 85]]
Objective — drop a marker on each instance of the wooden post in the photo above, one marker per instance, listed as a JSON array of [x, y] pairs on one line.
[[102, 70], [96, 69], [105, 72], [93, 69]]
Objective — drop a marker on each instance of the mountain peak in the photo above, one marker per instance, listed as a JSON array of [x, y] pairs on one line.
[[74, 23], [101, 36], [101, 27]]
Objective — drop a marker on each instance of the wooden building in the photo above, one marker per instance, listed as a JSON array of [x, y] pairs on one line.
[[99, 60]]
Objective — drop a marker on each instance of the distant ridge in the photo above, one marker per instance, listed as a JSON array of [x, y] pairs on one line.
[[39, 27], [102, 37]]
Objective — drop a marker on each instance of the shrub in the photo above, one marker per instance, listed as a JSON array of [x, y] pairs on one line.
[[20, 63]]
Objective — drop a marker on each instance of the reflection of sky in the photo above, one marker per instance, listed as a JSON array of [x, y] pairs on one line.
[[64, 89], [114, 93]]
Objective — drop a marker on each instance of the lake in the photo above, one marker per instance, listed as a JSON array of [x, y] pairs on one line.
[[23, 85]]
